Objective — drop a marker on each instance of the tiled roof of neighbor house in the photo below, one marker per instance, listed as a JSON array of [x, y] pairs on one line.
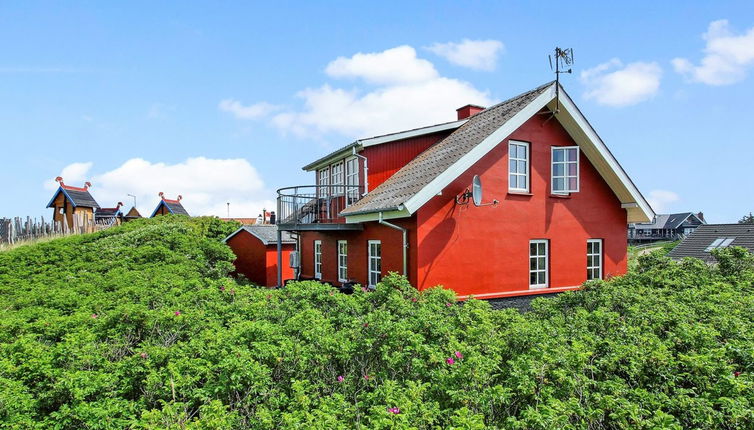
[[266, 233], [79, 197], [107, 212], [668, 221], [133, 213], [696, 243], [420, 171], [174, 206]]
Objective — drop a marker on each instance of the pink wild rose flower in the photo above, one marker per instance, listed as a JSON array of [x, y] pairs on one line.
[[177, 313], [450, 361], [458, 355], [340, 379], [394, 410]]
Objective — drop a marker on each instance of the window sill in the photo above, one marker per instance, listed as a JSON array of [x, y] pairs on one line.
[[520, 193], [560, 196]]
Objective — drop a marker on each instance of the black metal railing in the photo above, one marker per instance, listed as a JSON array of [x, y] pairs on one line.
[[315, 204]]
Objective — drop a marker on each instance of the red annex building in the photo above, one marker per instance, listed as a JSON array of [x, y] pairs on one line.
[[555, 209], [255, 247]]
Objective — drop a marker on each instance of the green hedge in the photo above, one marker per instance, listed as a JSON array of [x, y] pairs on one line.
[[140, 327]]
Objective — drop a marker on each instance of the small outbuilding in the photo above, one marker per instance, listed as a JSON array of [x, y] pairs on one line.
[[709, 237], [132, 214], [168, 206], [73, 205], [255, 247], [109, 216]]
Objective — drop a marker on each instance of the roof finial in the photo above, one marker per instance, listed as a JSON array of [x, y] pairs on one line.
[[563, 58], [59, 179], [179, 197], [162, 195], [87, 184], [119, 205]]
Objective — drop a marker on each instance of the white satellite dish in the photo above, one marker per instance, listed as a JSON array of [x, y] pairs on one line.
[[476, 190]]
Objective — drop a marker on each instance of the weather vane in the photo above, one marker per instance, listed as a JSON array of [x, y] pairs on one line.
[[563, 60]]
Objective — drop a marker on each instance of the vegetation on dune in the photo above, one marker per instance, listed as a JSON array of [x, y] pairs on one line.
[[140, 327]]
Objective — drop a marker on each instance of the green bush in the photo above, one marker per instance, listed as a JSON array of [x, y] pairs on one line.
[[140, 327]]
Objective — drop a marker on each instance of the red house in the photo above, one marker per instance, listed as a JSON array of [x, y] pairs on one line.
[[555, 211], [255, 247]]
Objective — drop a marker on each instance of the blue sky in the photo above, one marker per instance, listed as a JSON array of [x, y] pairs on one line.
[[224, 101]]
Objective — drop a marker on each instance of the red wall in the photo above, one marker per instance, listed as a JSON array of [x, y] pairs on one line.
[[485, 250], [258, 262], [392, 254], [387, 158]]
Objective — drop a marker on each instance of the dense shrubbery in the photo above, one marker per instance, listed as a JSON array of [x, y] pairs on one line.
[[140, 327]]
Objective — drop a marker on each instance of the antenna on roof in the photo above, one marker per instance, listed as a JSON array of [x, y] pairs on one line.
[[563, 60]]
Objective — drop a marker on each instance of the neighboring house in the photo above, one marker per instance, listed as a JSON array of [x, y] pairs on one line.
[[73, 204], [708, 237], [255, 247], [132, 214], [167, 206], [398, 202], [666, 227], [109, 216], [244, 221]]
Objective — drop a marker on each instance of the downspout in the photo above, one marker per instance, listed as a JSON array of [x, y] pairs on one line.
[[366, 171], [405, 242]]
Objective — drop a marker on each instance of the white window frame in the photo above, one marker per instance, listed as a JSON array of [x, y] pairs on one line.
[[512, 144], [565, 177], [539, 268], [324, 182], [318, 259], [343, 261], [352, 180], [373, 273], [337, 175], [591, 254]]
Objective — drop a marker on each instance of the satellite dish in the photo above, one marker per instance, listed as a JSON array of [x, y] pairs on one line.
[[476, 190]]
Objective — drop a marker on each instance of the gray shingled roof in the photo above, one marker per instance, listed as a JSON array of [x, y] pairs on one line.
[[669, 221], [176, 208], [266, 233], [695, 244], [79, 198], [420, 171]]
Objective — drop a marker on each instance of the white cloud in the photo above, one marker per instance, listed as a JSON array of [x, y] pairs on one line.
[[73, 174], [205, 184], [662, 200], [392, 66], [257, 110], [474, 54], [614, 84], [409, 93], [727, 56]]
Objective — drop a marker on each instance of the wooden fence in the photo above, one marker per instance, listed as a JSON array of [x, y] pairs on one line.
[[17, 230]]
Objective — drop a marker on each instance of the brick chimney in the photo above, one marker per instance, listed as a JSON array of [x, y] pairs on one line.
[[700, 215], [468, 110]]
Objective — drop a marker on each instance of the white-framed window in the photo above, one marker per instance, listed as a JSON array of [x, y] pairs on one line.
[[565, 169], [375, 262], [343, 261], [352, 180], [538, 263], [518, 166], [318, 259], [593, 259], [337, 178], [324, 182]]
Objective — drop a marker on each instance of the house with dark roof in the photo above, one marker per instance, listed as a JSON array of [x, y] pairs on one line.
[[255, 247], [519, 198], [708, 237], [665, 227], [109, 216], [168, 206], [72, 205]]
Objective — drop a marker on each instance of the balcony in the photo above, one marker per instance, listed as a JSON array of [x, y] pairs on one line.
[[316, 207]]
